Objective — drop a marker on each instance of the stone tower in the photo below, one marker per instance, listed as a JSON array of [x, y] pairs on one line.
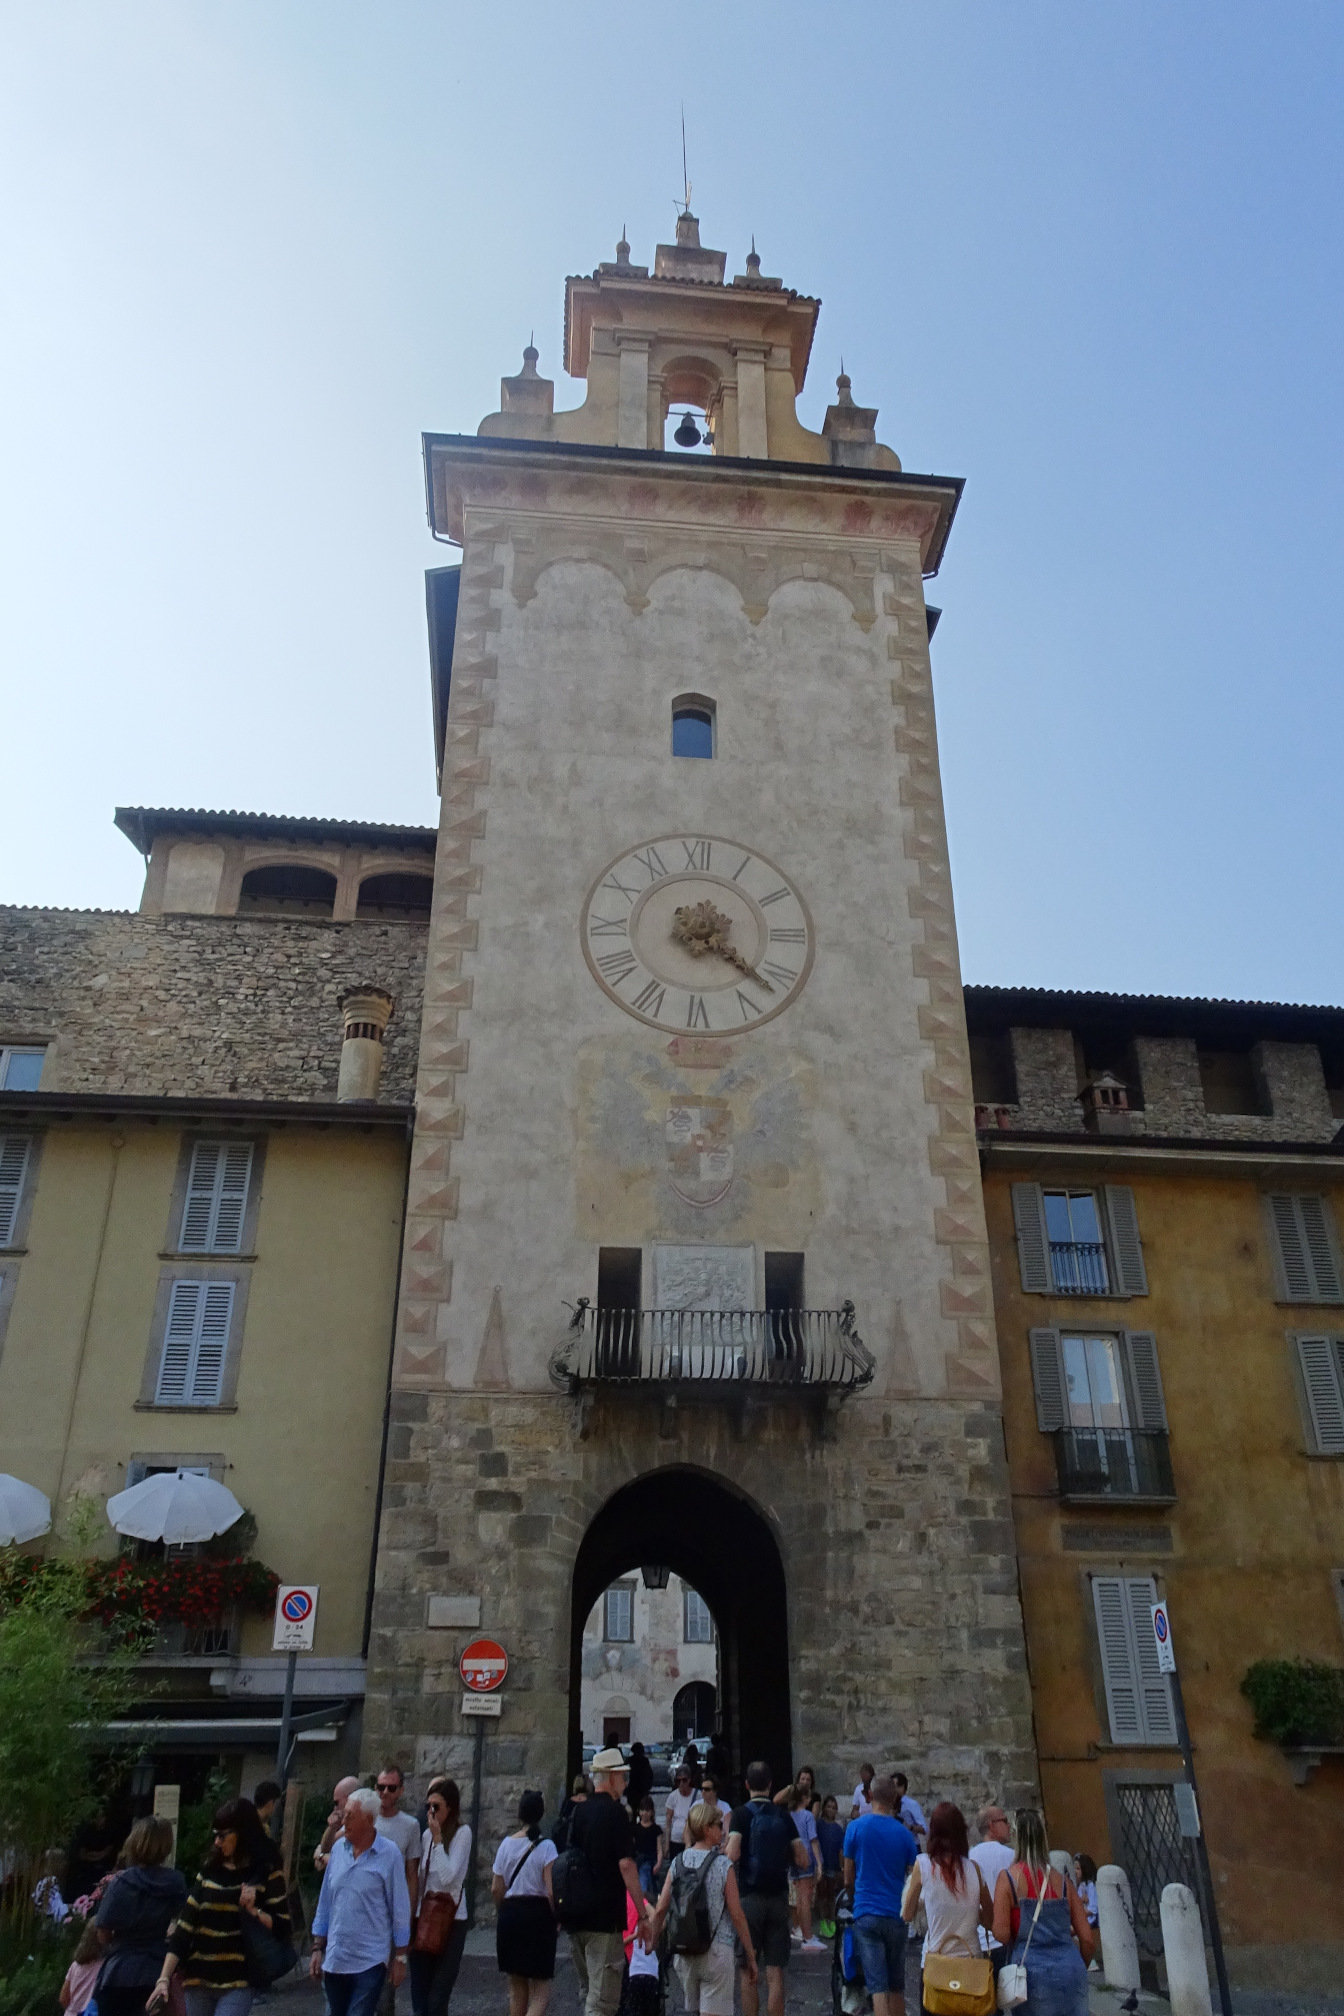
[[695, 1267]]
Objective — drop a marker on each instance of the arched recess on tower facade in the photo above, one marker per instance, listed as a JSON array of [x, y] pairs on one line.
[[694, 1524]]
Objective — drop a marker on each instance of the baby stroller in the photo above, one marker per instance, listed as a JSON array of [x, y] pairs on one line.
[[849, 1995]]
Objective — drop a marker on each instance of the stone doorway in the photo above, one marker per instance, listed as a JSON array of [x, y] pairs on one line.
[[691, 1523]]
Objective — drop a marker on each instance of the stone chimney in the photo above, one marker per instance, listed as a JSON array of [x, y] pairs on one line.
[[1105, 1103], [366, 1012]]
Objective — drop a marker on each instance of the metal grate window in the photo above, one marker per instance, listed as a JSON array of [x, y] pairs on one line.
[[1153, 1853]]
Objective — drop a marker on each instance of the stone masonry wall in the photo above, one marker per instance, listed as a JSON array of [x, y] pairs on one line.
[[1173, 1094], [897, 1544], [202, 1006]]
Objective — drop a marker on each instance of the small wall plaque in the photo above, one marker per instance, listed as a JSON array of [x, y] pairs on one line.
[[454, 1613]]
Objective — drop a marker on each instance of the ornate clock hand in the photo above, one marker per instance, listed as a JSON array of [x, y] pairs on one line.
[[700, 928]]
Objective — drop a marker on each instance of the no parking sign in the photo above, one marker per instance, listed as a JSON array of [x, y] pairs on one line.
[[295, 1617]]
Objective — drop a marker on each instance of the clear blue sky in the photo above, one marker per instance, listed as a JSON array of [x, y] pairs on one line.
[[1087, 256]]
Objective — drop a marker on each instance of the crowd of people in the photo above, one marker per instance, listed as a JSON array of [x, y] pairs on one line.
[[722, 1893]]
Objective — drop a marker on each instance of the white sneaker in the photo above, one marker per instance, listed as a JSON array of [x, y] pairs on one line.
[[812, 1946]]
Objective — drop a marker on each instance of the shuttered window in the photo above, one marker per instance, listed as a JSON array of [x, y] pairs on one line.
[[191, 1370], [1322, 1363], [1145, 1404], [15, 1150], [212, 1219], [1138, 1696], [1308, 1270], [618, 1613], [1066, 1261]]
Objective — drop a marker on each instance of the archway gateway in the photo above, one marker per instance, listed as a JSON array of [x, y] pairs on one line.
[[690, 1522]]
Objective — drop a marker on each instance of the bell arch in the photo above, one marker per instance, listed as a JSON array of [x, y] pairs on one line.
[[691, 1522]]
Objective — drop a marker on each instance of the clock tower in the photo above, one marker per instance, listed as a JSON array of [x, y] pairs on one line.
[[695, 1275]]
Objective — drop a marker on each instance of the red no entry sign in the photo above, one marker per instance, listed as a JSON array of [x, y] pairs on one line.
[[483, 1666]]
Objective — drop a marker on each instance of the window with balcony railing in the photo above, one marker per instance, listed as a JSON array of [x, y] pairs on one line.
[[1077, 1247], [1129, 1463], [712, 1349]]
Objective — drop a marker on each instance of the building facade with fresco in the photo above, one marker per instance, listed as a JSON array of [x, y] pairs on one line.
[[618, 1184]]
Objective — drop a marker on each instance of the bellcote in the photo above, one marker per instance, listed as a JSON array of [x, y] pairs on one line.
[[686, 334]]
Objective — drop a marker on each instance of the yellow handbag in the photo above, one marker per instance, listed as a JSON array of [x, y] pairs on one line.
[[957, 1986]]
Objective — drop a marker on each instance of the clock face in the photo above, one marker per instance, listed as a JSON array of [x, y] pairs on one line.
[[697, 935]]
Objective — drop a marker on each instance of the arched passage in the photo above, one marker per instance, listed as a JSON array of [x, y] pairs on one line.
[[691, 1523]]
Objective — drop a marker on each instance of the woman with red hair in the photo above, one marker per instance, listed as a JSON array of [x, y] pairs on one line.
[[953, 1892]]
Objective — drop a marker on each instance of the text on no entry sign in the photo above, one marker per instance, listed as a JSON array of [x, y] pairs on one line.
[[483, 1666]]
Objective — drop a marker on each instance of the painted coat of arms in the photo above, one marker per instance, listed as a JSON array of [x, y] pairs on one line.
[[700, 1150]]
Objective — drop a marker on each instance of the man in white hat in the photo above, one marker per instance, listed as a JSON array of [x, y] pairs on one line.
[[603, 1831]]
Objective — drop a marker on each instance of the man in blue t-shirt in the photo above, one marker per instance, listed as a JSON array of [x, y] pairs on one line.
[[879, 1855]]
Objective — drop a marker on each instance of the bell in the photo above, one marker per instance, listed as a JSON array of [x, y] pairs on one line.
[[687, 434]]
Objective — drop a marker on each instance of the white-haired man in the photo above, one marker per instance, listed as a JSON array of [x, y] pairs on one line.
[[603, 1832], [363, 1913], [335, 1821]]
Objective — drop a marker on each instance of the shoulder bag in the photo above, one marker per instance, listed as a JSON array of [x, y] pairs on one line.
[[267, 1955], [1013, 1976], [957, 1986], [436, 1913]]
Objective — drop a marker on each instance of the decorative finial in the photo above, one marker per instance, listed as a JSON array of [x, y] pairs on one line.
[[530, 358], [622, 249], [754, 260], [842, 386]]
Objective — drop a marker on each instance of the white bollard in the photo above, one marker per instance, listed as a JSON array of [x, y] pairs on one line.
[[1115, 1922], [1183, 1943]]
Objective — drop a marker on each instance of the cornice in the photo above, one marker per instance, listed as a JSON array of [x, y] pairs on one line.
[[624, 487], [1101, 1152]]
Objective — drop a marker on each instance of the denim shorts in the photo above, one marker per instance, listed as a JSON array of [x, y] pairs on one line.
[[880, 1945]]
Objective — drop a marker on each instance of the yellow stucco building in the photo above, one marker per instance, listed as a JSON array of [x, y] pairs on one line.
[[1165, 1197]]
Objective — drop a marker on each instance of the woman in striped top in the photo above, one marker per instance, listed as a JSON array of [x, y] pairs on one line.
[[242, 1873]]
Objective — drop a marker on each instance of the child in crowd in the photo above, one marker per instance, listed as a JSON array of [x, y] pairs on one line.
[[81, 1974], [647, 1838], [830, 1844], [1087, 1885], [639, 1986]]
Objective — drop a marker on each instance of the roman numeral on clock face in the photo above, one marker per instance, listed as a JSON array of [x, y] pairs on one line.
[[697, 854], [651, 861], [615, 967], [696, 1014], [787, 934], [611, 927], [750, 1009], [775, 896], [650, 1002], [783, 976], [614, 881]]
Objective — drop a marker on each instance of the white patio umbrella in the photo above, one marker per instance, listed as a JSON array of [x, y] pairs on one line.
[[25, 1512], [176, 1506]]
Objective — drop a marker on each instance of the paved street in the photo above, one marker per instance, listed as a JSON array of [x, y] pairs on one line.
[[480, 1992]]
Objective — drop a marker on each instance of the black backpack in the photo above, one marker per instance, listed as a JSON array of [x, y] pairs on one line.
[[574, 1889], [769, 1850], [688, 1929]]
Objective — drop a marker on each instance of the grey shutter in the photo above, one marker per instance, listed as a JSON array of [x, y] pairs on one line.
[[1117, 1658], [207, 1383], [1128, 1273], [212, 1220], [1323, 1383], [1033, 1244], [1138, 1696], [1319, 1248], [1159, 1717], [1307, 1266], [191, 1371], [1047, 1376], [235, 1169], [14, 1152], [1145, 1380], [200, 1205], [178, 1337]]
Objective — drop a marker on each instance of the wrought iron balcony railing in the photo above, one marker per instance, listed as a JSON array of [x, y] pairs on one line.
[[1078, 1267], [215, 1638], [1113, 1463], [704, 1349]]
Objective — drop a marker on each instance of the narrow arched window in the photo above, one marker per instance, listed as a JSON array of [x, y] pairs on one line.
[[693, 727]]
